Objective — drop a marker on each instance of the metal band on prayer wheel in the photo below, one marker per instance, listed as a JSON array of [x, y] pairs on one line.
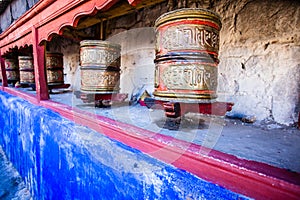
[[187, 45], [100, 66], [26, 69], [12, 70], [54, 66]]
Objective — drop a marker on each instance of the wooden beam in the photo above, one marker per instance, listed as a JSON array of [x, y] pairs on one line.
[[3, 72], [39, 68]]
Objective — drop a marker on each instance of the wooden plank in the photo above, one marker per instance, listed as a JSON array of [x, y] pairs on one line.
[[39, 68], [3, 72]]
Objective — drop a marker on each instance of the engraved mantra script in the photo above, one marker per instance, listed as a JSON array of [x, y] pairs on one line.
[[54, 76], [190, 37], [96, 56], [54, 61], [99, 78], [190, 77]]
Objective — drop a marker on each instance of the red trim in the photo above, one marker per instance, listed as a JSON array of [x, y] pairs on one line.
[[3, 72], [50, 17], [39, 68], [189, 21], [134, 2], [253, 179]]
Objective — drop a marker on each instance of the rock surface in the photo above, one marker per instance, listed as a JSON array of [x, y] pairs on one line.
[[11, 184]]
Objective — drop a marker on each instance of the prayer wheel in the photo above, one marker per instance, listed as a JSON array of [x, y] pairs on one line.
[[26, 69], [54, 67], [12, 70], [187, 45], [100, 66]]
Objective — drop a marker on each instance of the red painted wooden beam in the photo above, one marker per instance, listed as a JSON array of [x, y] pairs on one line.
[[3, 72], [253, 179], [39, 68]]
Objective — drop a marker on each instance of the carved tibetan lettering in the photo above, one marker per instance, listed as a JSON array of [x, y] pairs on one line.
[[55, 76], [189, 77], [99, 80], [97, 57], [190, 37]]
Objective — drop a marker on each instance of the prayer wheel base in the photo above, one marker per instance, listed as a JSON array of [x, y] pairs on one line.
[[101, 100], [57, 86], [175, 109]]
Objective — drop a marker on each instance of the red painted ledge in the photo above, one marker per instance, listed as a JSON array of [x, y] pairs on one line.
[[253, 179]]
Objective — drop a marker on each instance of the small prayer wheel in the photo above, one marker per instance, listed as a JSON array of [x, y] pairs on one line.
[[100, 66], [12, 70], [55, 67], [26, 69], [187, 45]]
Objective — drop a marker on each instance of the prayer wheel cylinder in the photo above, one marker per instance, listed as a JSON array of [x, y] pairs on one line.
[[187, 45], [55, 68], [100, 66], [12, 70], [26, 69]]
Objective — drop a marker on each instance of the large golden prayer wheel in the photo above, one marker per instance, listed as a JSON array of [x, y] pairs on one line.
[[55, 67], [100, 66], [26, 69], [187, 45], [12, 70]]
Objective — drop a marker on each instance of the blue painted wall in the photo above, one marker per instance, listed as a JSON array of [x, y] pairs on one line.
[[61, 160]]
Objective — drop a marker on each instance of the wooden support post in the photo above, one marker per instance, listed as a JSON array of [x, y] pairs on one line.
[[39, 68], [3, 72]]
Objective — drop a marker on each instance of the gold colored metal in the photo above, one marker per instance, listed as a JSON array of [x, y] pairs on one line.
[[100, 66], [54, 68], [188, 29], [12, 69], [99, 53], [99, 80], [187, 45], [189, 14], [26, 69]]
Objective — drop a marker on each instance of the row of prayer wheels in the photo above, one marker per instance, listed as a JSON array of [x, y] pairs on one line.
[[187, 44], [22, 69]]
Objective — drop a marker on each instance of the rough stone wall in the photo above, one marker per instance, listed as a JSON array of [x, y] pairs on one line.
[[259, 55], [260, 58], [14, 10]]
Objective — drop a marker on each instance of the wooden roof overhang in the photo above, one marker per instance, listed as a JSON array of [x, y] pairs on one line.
[[49, 17]]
